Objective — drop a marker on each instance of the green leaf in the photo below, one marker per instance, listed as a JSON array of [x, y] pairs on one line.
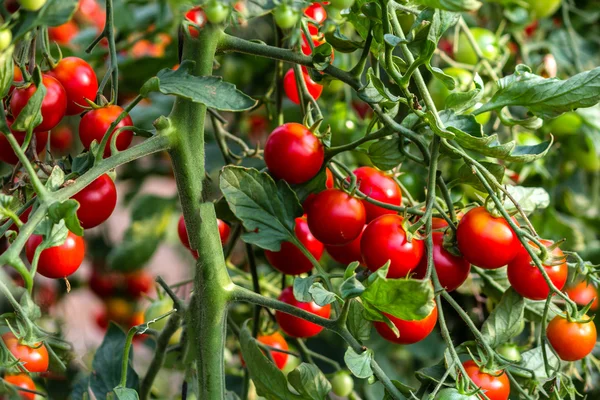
[[342, 43], [54, 13], [351, 287], [302, 287], [126, 394], [211, 91], [7, 70], [545, 97], [322, 56], [30, 116], [529, 198], [467, 176], [451, 5], [358, 325], [387, 153], [320, 295], [54, 234], [261, 204], [462, 101], [407, 299], [404, 389], [67, 211], [309, 382], [375, 91], [433, 374], [56, 179], [534, 360], [359, 364], [504, 323], [315, 185]]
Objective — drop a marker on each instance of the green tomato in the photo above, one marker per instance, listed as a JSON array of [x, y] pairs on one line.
[[155, 310], [510, 352], [454, 394], [542, 9], [567, 124], [439, 92], [584, 150], [341, 4], [216, 12], [285, 16], [342, 384], [32, 5], [5, 39], [488, 44]]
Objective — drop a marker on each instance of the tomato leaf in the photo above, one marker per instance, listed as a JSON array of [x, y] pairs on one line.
[[351, 287], [461, 101], [359, 364], [358, 325], [302, 287], [504, 323], [53, 13], [315, 185], [404, 389], [54, 234], [309, 382], [56, 179], [387, 153], [30, 116], [7, 70], [467, 176], [320, 295], [529, 198], [451, 5], [67, 211], [533, 360], [342, 43], [126, 394], [261, 205]]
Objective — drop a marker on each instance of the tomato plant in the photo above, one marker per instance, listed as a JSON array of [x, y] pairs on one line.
[[34, 358], [22, 381], [294, 326], [290, 85], [60, 261]]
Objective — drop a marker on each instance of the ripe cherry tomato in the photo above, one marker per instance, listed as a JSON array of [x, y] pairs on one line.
[[216, 11], [527, 279], [97, 202], [297, 327], [342, 384], [316, 12], [335, 217], [452, 271], [544, 9], [572, 340], [79, 80], [583, 293], [380, 187], [439, 92], [285, 16], [197, 16], [410, 331], [294, 153], [317, 41], [347, 253], [22, 381], [34, 359], [95, 123], [61, 139], [488, 44], [139, 283], [63, 34], [277, 341], [385, 239], [59, 261], [8, 155], [486, 241], [290, 260], [54, 104], [291, 90], [496, 386]]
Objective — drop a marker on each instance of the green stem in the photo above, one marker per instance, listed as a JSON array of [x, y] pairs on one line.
[[125, 362]]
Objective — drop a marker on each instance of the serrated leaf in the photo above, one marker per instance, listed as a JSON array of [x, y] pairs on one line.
[[302, 287], [320, 295], [407, 299], [359, 364], [309, 382], [529, 198], [504, 323], [261, 205], [451, 5], [387, 153], [357, 324]]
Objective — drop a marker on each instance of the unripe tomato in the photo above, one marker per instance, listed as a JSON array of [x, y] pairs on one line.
[[285, 16], [572, 340], [410, 331], [119, 310], [277, 341], [527, 279], [156, 309], [34, 359], [452, 271], [95, 123], [216, 11], [335, 218], [5, 39], [488, 44], [8, 155], [63, 34], [385, 240], [297, 327], [583, 293], [347, 253], [377, 186], [294, 153], [510, 352], [97, 201], [22, 381], [61, 139], [566, 124], [439, 92], [291, 90], [486, 241], [290, 260], [198, 17], [495, 385], [59, 261], [342, 384], [542, 9], [79, 80], [139, 283], [54, 104], [32, 5], [341, 4]]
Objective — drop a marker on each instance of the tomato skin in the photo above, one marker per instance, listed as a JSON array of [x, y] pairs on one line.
[[487, 42], [216, 12], [289, 86], [495, 387], [377, 186], [342, 384], [510, 352], [316, 12], [59, 261], [347, 253], [95, 123], [198, 17], [22, 381], [276, 340], [566, 124], [8, 155], [285, 16], [103, 284], [297, 327], [35, 359], [583, 293], [341, 4], [452, 271], [328, 185], [486, 241], [527, 279], [290, 260], [336, 218], [294, 153], [97, 201], [571, 340], [410, 331], [156, 309], [79, 81], [54, 104], [138, 284], [385, 239], [61, 139], [63, 34]]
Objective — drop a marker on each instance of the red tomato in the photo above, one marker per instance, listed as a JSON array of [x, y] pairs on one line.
[[380, 187], [224, 231], [297, 327], [572, 340], [316, 12], [54, 104], [583, 293], [17, 77], [347, 253], [139, 283], [452, 271], [385, 239], [486, 241], [527, 279], [102, 320], [59, 261], [335, 217], [197, 16], [104, 284], [63, 34], [410, 331], [34, 359], [294, 153], [146, 48], [290, 259], [8, 155], [276, 341], [95, 123], [97, 201], [291, 90], [496, 386], [22, 381], [61, 139], [79, 80]]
